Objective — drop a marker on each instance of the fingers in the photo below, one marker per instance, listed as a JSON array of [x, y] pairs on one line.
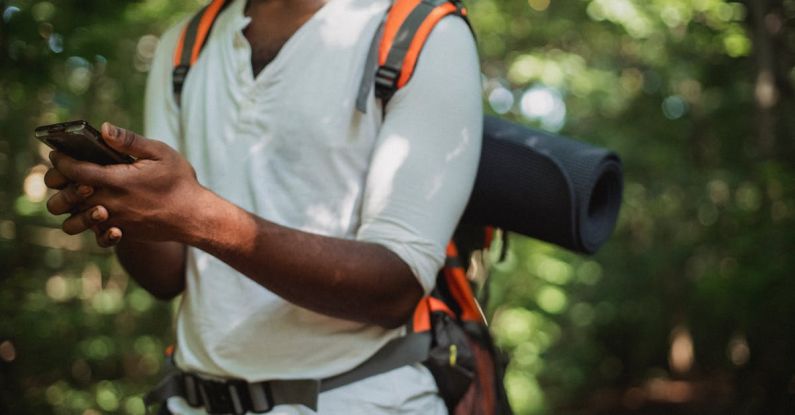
[[80, 171], [55, 180], [85, 220], [109, 238], [68, 199], [129, 142]]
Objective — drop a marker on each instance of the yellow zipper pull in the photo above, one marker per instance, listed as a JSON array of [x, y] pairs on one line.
[[453, 354]]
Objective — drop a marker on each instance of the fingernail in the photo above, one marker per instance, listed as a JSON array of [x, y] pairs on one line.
[[96, 214], [110, 130], [84, 190], [114, 235]]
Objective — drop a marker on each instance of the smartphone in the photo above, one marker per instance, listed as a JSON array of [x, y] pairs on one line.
[[79, 140]]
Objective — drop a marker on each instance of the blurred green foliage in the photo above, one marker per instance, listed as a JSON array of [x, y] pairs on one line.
[[687, 310]]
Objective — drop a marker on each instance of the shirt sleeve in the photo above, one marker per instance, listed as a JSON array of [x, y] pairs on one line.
[[161, 114], [427, 152]]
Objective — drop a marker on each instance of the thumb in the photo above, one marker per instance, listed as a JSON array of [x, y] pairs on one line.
[[128, 142]]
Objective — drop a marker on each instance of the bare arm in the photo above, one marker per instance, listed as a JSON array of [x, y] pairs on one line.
[[155, 200], [159, 267], [348, 279]]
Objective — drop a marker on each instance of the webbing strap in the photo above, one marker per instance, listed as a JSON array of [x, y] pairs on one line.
[[408, 30], [421, 320], [400, 47], [168, 387], [192, 41], [370, 66], [239, 397], [234, 396], [409, 349], [458, 284]]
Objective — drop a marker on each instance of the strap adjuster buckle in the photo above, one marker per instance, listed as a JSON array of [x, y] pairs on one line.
[[232, 396], [386, 81], [178, 76], [224, 397], [261, 397]]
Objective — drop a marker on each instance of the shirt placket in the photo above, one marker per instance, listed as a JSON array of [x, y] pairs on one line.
[[246, 93]]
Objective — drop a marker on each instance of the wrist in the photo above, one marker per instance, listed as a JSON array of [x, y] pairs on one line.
[[199, 222], [215, 224]]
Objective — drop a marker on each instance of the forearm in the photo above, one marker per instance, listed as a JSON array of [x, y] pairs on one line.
[[159, 267], [347, 279]]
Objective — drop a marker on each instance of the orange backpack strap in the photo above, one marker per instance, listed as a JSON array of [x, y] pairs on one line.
[[192, 41], [421, 321], [398, 43], [458, 285]]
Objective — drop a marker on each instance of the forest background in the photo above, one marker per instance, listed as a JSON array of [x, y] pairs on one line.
[[688, 309]]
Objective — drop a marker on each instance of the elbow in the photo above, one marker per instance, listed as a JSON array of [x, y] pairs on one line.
[[164, 294], [393, 322], [401, 308], [163, 286], [163, 289], [396, 320]]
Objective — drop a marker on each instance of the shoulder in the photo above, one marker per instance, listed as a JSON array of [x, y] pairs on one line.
[[448, 63], [452, 39], [449, 48], [453, 28]]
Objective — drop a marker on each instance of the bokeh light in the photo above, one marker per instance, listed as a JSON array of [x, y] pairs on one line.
[[674, 107], [544, 105], [672, 316], [501, 100], [9, 13]]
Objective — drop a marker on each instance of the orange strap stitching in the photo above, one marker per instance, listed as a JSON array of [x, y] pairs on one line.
[[205, 24], [180, 45], [419, 41]]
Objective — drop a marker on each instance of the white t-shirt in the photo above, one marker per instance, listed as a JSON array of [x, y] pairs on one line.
[[290, 147]]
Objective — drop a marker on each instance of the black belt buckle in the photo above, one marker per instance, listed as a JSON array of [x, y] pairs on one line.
[[223, 397]]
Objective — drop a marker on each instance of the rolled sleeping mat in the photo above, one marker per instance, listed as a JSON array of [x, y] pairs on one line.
[[546, 187]]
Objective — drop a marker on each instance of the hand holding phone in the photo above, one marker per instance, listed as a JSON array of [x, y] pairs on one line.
[[79, 140], [152, 200]]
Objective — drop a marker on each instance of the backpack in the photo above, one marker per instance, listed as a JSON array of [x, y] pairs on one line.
[[448, 331]]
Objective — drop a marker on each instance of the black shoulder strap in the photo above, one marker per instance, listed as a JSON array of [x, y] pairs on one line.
[[398, 43], [192, 41]]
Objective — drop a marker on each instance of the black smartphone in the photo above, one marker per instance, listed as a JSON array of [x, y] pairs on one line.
[[79, 140]]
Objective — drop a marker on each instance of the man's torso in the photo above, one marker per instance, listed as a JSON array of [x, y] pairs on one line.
[[288, 145]]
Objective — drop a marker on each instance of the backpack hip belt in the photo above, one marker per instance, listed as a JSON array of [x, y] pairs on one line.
[[236, 396]]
